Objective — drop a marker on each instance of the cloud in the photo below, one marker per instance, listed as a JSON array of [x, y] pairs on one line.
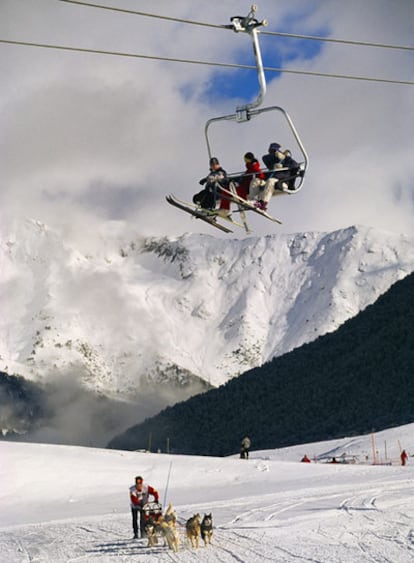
[[81, 416], [90, 138]]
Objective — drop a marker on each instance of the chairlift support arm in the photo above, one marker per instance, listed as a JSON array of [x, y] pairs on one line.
[[249, 24]]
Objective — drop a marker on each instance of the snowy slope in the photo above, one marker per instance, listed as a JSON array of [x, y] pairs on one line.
[[180, 311], [60, 503]]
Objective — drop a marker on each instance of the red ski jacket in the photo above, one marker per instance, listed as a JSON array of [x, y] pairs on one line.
[[140, 497], [252, 170]]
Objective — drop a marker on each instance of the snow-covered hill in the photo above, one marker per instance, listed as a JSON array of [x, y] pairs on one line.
[[61, 504], [176, 314]]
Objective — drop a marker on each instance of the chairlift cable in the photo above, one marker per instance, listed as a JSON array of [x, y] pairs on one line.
[[205, 63], [270, 33], [144, 14], [333, 40]]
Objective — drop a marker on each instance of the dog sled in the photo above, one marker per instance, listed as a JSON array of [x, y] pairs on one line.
[[151, 513], [162, 525]]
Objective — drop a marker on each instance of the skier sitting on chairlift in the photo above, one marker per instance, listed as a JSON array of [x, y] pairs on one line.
[[289, 175], [283, 170], [246, 183], [217, 177], [277, 159], [271, 159]]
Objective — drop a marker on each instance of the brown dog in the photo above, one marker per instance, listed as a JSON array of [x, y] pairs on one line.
[[151, 533], [193, 530], [166, 526]]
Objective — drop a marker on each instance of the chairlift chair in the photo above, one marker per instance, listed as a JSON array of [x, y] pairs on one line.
[[245, 113]]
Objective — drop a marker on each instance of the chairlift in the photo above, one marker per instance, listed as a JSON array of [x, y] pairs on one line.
[[245, 113]]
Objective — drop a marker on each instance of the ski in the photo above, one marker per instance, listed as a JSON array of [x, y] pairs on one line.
[[241, 210], [184, 206], [214, 213], [250, 206]]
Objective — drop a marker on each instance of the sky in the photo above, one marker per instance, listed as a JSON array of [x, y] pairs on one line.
[[66, 503], [88, 139]]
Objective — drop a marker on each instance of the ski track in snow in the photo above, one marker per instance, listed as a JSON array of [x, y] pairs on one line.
[[371, 525]]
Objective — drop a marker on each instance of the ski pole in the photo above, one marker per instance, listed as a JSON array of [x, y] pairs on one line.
[[166, 486]]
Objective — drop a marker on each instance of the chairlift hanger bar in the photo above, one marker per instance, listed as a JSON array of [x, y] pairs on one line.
[[249, 24]]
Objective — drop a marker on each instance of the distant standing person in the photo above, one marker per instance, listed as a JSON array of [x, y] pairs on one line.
[[138, 495], [245, 447], [305, 459], [404, 457]]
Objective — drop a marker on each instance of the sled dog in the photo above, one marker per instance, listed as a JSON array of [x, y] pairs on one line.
[[206, 528], [193, 531], [151, 533], [167, 527]]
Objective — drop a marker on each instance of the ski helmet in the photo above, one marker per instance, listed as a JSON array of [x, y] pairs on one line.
[[273, 147]]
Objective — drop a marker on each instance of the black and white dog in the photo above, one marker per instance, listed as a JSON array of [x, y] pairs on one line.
[[206, 529]]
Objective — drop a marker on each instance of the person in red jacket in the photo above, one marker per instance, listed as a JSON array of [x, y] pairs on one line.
[[252, 174], [403, 457], [139, 495]]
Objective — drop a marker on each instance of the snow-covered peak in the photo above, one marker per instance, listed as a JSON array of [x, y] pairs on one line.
[[137, 310]]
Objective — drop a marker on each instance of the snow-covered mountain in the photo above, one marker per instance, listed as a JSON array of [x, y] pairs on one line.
[[180, 313]]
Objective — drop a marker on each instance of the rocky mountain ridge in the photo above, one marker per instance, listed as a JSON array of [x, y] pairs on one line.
[[181, 314]]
